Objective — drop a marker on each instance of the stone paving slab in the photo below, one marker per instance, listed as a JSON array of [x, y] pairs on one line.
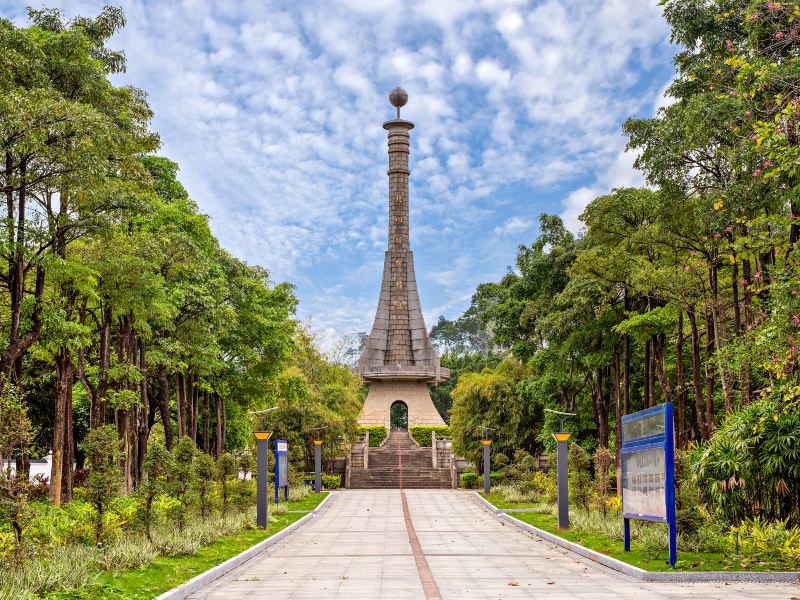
[[359, 548]]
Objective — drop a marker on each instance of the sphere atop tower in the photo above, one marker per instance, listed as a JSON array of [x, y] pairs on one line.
[[398, 97]]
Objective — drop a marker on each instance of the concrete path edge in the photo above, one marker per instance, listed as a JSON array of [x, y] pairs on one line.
[[636, 572], [203, 579]]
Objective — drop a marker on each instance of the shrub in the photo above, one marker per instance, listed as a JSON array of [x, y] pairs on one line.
[[580, 480], [512, 493], [602, 461], [760, 537], [750, 465], [103, 482], [182, 477], [423, 433], [157, 464], [298, 492], [15, 435], [247, 463], [226, 469], [469, 480], [544, 486], [377, 433], [204, 481], [331, 482]]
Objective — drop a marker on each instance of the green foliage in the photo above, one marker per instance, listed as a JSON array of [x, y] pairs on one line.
[[226, 470], [183, 478], [158, 465], [104, 481], [751, 465], [469, 480], [331, 482], [494, 399], [758, 538], [423, 433], [204, 474], [580, 478], [377, 433], [15, 435]]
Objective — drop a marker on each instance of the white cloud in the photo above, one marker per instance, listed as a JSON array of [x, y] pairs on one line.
[[514, 226], [274, 113]]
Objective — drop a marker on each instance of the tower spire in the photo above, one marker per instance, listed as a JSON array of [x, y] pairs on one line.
[[398, 346]]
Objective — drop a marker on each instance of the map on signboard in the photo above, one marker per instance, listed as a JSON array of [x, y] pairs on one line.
[[283, 470], [644, 481]]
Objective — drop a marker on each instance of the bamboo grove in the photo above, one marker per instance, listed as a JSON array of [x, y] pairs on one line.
[[683, 291], [118, 304]]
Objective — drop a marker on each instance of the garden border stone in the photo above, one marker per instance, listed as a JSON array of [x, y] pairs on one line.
[[636, 572], [205, 578]]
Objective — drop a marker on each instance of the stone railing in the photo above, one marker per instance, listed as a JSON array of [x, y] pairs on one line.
[[421, 372]]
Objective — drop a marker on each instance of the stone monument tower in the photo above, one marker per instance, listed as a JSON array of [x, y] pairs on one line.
[[399, 361]]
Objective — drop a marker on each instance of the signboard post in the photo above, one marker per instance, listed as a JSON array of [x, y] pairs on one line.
[[648, 471], [281, 469], [318, 466], [262, 477]]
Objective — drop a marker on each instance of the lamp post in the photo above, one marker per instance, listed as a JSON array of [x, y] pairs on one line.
[[318, 459], [486, 441], [262, 473], [562, 437]]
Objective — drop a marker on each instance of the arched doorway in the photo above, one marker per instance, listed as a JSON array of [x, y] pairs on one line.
[[398, 415]]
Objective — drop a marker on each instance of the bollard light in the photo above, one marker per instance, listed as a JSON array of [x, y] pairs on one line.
[[562, 437]]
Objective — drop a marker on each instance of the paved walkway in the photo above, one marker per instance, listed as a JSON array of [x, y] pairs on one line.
[[360, 546]]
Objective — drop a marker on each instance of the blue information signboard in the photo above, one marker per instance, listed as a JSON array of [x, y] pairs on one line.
[[281, 469], [647, 455]]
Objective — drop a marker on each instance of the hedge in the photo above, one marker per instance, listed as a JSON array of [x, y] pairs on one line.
[[471, 480], [422, 433], [332, 482], [377, 433]]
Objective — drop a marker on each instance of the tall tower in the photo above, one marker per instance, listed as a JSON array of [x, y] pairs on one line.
[[399, 361]]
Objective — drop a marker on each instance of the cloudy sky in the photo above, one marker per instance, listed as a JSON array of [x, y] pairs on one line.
[[274, 113]]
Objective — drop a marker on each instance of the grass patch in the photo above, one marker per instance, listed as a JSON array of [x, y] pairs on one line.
[[501, 502], [167, 572], [647, 559], [310, 502]]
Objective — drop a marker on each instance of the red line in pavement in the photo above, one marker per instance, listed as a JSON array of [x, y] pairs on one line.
[[423, 569]]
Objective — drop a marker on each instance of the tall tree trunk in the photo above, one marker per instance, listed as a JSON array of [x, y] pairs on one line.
[[219, 443], [144, 407], [702, 427], [709, 351], [195, 411], [626, 374], [680, 393], [224, 423], [601, 408], [737, 316], [646, 387], [187, 419], [617, 420], [180, 400], [64, 379], [163, 404], [659, 359], [206, 421], [68, 469]]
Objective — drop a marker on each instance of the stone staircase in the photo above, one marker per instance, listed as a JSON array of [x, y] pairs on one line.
[[385, 466]]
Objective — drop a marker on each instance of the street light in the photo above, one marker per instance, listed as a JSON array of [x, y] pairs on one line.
[[561, 452], [318, 459], [486, 440], [262, 473]]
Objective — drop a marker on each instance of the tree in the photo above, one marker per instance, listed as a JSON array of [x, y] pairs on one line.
[[158, 466], [183, 477], [105, 478], [204, 475], [226, 469], [15, 434]]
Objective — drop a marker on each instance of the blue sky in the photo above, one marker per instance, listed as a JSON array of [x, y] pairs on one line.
[[274, 113]]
